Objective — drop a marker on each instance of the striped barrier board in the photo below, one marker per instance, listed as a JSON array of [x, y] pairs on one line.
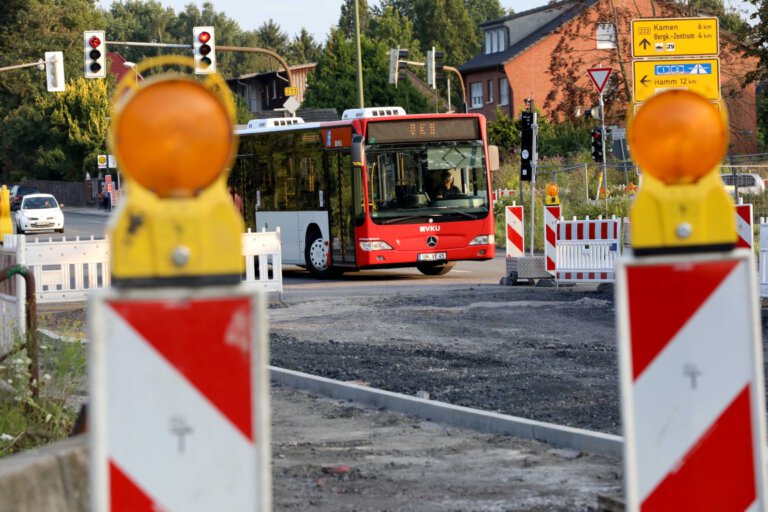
[[179, 400], [691, 373], [587, 250], [551, 216], [515, 236], [744, 226]]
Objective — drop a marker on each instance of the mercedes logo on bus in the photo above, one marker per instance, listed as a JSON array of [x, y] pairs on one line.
[[431, 241]]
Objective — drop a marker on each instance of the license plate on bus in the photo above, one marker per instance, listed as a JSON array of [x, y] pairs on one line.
[[432, 256]]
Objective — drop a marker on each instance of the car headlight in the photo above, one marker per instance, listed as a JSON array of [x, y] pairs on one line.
[[483, 240], [375, 245]]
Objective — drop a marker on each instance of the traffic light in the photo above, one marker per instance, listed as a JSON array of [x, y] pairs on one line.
[[397, 62], [434, 67], [597, 145], [95, 50], [204, 45], [54, 71], [526, 145], [678, 139]]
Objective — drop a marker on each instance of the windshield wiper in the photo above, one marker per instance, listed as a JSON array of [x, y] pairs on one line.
[[402, 219], [460, 212]]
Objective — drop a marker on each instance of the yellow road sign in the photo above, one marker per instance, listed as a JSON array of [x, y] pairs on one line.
[[698, 75], [291, 91], [675, 37]]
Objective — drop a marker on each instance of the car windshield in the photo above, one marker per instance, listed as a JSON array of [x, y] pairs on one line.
[[39, 203], [409, 182]]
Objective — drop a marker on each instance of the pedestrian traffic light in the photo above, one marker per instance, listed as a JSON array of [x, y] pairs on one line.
[[397, 62], [173, 140], [597, 145], [526, 145], [204, 46], [678, 139], [95, 50], [54, 71]]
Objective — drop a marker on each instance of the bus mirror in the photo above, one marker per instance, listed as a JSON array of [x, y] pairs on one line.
[[358, 153], [493, 158]]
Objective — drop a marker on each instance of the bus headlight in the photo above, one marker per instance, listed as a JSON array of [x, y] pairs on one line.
[[483, 240], [375, 245]]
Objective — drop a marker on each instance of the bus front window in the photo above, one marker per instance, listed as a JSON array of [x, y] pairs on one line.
[[406, 183]]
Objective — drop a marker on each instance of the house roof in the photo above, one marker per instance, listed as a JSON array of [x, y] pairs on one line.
[[525, 29], [310, 65]]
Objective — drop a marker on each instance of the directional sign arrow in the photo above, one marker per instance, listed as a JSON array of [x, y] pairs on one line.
[[644, 80], [645, 44]]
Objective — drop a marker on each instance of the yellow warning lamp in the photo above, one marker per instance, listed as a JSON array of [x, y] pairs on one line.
[[552, 199], [678, 139], [172, 136], [6, 224]]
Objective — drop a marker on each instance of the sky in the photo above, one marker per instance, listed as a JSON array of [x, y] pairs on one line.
[[317, 16]]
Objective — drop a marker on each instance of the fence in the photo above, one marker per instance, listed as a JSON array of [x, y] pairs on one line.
[[67, 270], [587, 250]]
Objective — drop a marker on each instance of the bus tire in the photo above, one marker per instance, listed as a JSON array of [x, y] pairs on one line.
[[316, 255], [435, 269]]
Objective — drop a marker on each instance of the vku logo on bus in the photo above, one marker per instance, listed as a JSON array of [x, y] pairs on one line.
[[429, 229]]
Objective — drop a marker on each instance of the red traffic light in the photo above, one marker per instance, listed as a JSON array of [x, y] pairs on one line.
[[204, 37], [95, 42]]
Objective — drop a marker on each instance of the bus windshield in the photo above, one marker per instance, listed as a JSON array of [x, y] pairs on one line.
[[407, 182]]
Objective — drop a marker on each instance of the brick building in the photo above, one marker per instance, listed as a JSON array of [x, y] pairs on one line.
[[543, 54]]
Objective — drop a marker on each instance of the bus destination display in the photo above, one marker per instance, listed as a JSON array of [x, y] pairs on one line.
[[386, 132]]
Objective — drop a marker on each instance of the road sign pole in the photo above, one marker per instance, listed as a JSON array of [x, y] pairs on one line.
[[605, 155]]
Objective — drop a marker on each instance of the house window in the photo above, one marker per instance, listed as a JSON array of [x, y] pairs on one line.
[[606, 36], [476, 90], [503, 91], [495, 40], [490, 91]]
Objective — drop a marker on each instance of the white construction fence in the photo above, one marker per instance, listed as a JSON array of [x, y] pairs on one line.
[[66, 270]]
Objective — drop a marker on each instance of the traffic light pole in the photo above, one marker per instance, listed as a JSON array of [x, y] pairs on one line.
[[602, 141], [534, 164], [218, 48]]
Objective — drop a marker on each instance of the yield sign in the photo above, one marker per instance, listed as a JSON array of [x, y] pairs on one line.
[[599, 77]]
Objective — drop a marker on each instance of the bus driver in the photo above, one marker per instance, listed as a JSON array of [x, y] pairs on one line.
[[447, 188]]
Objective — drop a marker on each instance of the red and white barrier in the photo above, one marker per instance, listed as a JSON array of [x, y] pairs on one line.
[[551, 216], [180, 400], [515, 236], [744, 226], [587, 250], [692, 383]]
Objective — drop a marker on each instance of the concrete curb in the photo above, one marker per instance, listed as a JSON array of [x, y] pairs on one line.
[[53, 477], [454, 415]]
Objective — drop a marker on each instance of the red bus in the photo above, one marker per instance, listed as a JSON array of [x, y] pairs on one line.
[[365, 192]]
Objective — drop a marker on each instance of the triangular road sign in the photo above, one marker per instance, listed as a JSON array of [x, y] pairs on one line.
[[599, 77]]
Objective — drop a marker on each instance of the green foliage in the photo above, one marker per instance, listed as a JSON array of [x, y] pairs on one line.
[[566, 139], [26, 422], [504, 132]]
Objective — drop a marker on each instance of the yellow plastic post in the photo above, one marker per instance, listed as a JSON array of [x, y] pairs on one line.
[[6, 224], [678, 138], [173, 139]]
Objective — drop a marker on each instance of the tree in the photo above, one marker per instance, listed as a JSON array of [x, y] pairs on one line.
[[334, 82], [303, 49], [347, 17]]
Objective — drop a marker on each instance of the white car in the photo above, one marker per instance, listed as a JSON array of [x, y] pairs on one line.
[[39, 212]]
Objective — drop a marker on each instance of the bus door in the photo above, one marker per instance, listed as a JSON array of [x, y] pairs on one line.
[[344, 206]]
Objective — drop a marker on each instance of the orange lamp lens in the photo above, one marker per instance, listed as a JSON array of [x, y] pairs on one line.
[[552, 189], [678, 136], [173, 137]]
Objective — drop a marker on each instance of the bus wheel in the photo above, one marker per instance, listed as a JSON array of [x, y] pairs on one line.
[[435, 269], [316, 256]]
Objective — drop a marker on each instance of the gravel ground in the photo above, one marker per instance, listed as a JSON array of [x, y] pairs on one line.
[[540, 353]]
